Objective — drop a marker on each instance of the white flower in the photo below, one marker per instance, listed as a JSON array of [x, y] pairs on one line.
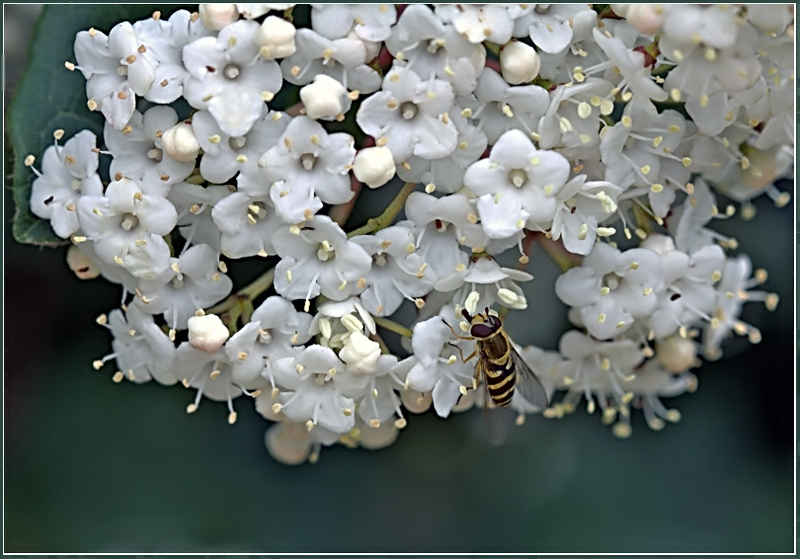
[[481, 22], [410, 115], [733, 290], [191, 283], [225, 155], [229, 79], [552, 27], [501, 108], [436, 47], [247, 225], [307, 163], [374, 166], [164, 40], [371, 22], [318, 259], [194, 204], [517, 185], [127, 227], [344, 60], [138, 152], [275, 330], [207, 332], [613, 288], [397, 270], [317, 390], [447, 174], [437, 364], [115, 70], [635, 74], [487, 283], [582, 205], [68, 173], [141, 349]]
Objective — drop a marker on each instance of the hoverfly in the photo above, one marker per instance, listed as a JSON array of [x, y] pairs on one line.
[[500, 367]]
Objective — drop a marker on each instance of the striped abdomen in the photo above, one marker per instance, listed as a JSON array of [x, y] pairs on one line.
[[500, 371]]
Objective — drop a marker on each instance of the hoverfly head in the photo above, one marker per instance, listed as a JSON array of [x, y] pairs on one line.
[[487, 328]]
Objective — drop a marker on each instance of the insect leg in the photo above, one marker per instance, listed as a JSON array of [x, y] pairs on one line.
[[454, 332]]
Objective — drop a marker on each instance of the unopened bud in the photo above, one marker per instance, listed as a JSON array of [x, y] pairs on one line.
[[374, 166], [519, 63], [323, 98], [276, 38], [207, 333], [180, 143], [217, 16]]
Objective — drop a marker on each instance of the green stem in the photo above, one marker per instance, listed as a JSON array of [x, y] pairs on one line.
[[245, 296], [392, 326], [388, 215], [557, 253]]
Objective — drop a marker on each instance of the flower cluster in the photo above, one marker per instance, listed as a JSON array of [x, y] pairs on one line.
[[604, 136]]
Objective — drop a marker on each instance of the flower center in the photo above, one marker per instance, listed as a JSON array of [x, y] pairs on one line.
[[434, 45], [518, 177], [308, 160], [611, 281], [237, 143], [255, 211], [379, 259], [76, 184], [264, 336], [542, 8], [129, 221], [155, 154], [441, 225], [409, 110], [325, 251], [231, 71]]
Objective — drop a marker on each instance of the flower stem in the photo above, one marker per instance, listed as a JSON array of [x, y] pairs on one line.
[[245, 296], [557, 253], [388, 215], [393, 326]]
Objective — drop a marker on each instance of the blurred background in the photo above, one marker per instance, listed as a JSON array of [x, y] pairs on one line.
[[92, 466]]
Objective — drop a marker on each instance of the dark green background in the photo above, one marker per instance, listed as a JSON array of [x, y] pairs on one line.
[[96, 467]]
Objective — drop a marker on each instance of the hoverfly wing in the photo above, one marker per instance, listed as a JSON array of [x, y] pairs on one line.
[[528, 384]]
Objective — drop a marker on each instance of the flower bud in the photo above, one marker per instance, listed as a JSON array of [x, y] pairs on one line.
[[180, 143], [519, 63], [276, 38], [374, 166], [361, 354], [382, 436], [416, 402], [207, 333], [80, 264], [648, 19], [217, 16], [323, 97], [288, 442], [676, 354]]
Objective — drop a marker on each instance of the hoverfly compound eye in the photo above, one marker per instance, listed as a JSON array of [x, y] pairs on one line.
[[482, 330]]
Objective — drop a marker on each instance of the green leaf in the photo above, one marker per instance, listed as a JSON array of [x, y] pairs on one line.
[[50, 97]]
